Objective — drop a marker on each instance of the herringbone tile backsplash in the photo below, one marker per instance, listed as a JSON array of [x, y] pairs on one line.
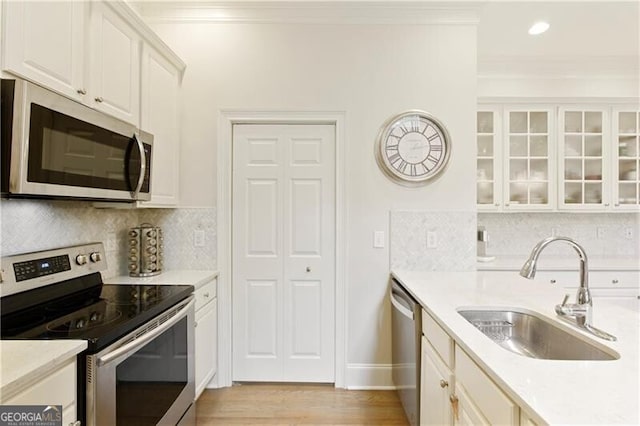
[[31, 225]]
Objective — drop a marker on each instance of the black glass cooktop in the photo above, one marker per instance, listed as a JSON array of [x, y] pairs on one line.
[[99, 313]]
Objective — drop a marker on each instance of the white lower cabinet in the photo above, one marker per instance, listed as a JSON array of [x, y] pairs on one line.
[[206, 336], [435, 385], [467, 413], [58, 387], [456, 391]]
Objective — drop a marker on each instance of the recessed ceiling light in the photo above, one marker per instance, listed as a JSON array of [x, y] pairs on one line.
[[539, 28]]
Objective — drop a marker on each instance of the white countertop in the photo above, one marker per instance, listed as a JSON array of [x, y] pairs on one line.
[[561, 263], [552, 392], [24, 362], [173, 277]]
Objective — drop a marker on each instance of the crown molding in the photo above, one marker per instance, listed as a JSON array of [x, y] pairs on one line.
[[313, 12], [559, 67]]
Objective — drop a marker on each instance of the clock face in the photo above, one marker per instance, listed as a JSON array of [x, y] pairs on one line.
[[413, 147]]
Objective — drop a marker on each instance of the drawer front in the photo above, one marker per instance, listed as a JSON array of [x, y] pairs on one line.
[[205, 294], [614, 279], [439, 339], [56, 388], [603, 279], [559, 278], [489, 399]]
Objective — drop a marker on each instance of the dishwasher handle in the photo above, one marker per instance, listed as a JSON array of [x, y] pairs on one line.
[[399, 306]]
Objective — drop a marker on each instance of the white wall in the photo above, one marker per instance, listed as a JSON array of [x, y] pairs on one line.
[[368, 71]]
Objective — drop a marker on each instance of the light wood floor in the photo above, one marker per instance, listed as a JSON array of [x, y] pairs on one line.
[[269, 404]]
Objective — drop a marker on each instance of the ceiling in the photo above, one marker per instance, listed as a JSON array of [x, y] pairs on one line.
[[578, 29]]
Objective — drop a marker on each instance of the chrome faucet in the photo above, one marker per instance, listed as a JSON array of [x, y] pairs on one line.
[[579, 313]]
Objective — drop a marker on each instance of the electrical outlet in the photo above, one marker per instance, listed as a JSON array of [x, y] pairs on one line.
[[601, 233], [111, 242], [628, 233], [432, 239], [198, 238], [378, 239]]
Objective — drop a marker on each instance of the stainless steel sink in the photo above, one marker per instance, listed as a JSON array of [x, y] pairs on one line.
[[527, 334]]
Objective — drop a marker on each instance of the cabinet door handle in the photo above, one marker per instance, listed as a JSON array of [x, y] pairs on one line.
[[497, 204], [443, 383], [606, 204], [81, 91], [552, 281], [206, 295], [454, 406], [99, 99]]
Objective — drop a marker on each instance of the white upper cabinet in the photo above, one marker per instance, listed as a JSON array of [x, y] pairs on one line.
[[489, 161], [44, 42], [582, 153], [114, 70], [626, 158], [87, 51], [560, 158], [528, 171], [160, 91]]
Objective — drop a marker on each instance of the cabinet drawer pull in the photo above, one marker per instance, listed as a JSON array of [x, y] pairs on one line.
[[614, 281], [443, 383], [99, 99], [552, 281]]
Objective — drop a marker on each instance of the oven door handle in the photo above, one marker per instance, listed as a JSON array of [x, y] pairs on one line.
[[145, 338]]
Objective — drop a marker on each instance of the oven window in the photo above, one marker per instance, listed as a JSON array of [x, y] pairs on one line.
[[66, 151], [149, 381]]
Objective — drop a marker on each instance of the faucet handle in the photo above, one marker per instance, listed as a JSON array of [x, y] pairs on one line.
[[564, 301]]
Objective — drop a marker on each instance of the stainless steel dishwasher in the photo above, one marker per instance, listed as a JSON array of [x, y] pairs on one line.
[[406, 333]]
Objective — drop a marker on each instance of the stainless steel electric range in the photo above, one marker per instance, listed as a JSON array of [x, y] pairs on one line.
[[138, 368]]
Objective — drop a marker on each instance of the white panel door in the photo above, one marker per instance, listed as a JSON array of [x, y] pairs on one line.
[[283, 252]]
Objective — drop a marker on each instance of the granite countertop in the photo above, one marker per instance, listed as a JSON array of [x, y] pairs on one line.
[[173, 277], [24, 362], [561, 263], [551, 392]]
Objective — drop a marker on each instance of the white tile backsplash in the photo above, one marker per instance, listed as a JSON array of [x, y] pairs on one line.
[[31, 225], [454, 234], [516, 233]]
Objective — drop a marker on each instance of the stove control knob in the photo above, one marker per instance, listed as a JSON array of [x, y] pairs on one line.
[[95, 256], [81, 259]]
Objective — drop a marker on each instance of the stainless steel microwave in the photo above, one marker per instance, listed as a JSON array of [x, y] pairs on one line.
[[54, 147]]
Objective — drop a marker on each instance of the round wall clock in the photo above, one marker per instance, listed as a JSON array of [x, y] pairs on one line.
[[413, 148]]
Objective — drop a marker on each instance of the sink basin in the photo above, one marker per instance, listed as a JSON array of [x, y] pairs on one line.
[[527, 334]]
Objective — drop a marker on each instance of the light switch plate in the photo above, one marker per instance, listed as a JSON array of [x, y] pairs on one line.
[[198, 238], [432, 239], [378, 239]]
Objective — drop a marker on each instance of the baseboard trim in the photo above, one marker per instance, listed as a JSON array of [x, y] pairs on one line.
[[369, 377]]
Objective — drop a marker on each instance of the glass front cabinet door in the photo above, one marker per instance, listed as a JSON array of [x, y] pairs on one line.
[[582, 149], [529, 159], [489, 158], [626, 158]]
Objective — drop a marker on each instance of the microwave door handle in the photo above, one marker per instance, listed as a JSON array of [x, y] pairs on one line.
[[145, 338], [143, 167]]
